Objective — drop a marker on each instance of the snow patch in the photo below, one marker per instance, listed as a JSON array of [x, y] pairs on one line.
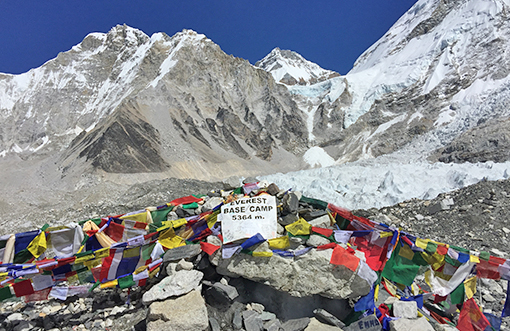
[[317, 157]]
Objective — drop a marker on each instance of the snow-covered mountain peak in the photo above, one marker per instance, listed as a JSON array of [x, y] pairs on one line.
[[290, 68]]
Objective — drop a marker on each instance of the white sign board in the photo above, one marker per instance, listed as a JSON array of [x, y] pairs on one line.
[[246, 217]]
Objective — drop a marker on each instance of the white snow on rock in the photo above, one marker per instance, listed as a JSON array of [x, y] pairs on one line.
[[316, 156]]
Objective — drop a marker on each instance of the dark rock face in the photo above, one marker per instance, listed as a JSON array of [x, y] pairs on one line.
[[488, 142], [124, 144]]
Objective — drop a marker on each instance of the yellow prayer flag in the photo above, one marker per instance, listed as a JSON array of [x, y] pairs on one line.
[[38, 245], [154, 272], [131, 252], [140, 217], [474, 259], [385, 234], [92, 263], [422, 243], [406, 252], [139, 269], [470, 287], [82, 247], [103, 252], [169, 240], [73, 279], [376, 292], [264, 254], [84, 258], [299, 228], [111, 283], [279, 243]]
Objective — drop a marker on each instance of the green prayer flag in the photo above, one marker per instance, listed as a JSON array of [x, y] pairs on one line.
[[126, 282], [239, 190], [5, 293], [316, 203], [147, 250], [160, 215], [22, 256], [485, 255], [96, 284], [431, 248], [85, 276], [193, 205], [400, 269], [459, 249], [451, 261], [457, 296]]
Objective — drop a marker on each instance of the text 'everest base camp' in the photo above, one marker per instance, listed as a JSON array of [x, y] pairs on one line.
[[375, 200]]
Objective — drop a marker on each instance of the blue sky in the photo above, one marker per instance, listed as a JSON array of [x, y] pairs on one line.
[[331, 33]]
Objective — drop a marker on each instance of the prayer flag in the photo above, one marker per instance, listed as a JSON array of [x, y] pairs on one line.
[[38, 245], [23, 287], [210, 249], [470, 287], [279, 243], [471, 318], [340, 256], [366, 302], [299, 228], [322, 231]]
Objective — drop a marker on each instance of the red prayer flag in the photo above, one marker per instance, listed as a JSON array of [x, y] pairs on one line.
[[115, 231], [341, 211], [442, 250], [185, 200], [341, 257], [324, 232], [23, 288], [327, 246], [208, 247], [38, 295], [471, 318], [487, 269]]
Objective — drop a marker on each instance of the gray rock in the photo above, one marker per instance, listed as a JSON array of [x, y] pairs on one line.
[[237, 320], [290, 203], [288, 219], [298, 324], [273, 189], [184, 313], [212, 202], [369, 323], [267, 316], [324, 316], [231, 183], [405, 309], [222, 293], [406, 324], [183, 265], [180, 283], [252, 321], [316, 241], [316, 325], [259, 308], [214, 325], [273, 325], [182, 252], [321, 222], [316, 274]]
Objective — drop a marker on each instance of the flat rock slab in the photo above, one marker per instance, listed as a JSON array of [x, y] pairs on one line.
[[186, 313], [179, 283], [407, 324], [315, 325], [298, 324], [300, 276], [369, 323], [182, 252]]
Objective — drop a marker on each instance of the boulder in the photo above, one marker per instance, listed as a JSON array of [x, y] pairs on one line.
[[407, 324], [184, 313], [182, 252], [324, 316], [181, 282], [298, 324], [301, 276]]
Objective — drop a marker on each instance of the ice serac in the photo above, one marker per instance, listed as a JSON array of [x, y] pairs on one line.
[[124, 102]]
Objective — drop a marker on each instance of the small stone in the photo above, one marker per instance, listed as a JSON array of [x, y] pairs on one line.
[[182, 252], [273, 325], [321, 222], [214, 325], [419, 217], [118, 310], [506, 230], [267, 316], [14, 317], [183, 265], [488, 297], [316, 325], [252, 321], [259, 308], [324, 316], [405, 324], [498, 253], [273, 189]]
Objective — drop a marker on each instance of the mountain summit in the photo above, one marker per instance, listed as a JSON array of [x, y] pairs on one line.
[[290, 68]]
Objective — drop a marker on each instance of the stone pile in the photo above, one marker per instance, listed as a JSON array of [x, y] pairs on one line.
[[197, 291]]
